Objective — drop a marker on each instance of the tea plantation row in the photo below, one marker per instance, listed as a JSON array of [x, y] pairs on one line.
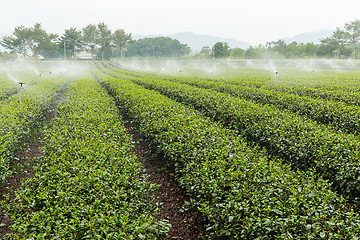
[[302, 142], [241, 191], [88, 185], [338, 114], [20, 119], [343, 89]]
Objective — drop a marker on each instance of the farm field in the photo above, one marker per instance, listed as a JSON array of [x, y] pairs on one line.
[[265, 149]]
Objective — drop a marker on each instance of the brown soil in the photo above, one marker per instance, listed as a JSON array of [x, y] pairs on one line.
[[186, 224], [23, 164]]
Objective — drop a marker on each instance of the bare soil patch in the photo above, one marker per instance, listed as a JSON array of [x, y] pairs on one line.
[[186, 223]]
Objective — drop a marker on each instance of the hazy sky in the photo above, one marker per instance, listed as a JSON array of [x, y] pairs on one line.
[[252, 21]]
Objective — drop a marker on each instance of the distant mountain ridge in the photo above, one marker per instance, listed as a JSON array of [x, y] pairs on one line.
[[197, 41], [306, 37]]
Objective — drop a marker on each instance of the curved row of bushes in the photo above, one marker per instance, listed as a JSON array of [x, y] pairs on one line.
[[19, 119], [338, 114], [7, 87], [89, 185], [349, 96], [303, 143], [9, 82], [342, 91], [242, 193]]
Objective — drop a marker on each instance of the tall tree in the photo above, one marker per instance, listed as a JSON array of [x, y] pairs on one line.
[[310, 49], [279, 47], [18, 42], [37, 37], [90, 37], [336, 41], [105, 37], [352, 33], [72, 39], [157, 47], [50, 47], [120, 39], [238, 53], [220, 50]]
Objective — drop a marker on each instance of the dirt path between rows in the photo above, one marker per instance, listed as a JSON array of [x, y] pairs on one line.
[[186, 224], [23, 163]]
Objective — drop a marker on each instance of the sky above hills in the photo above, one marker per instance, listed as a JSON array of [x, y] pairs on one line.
[[252, 21]]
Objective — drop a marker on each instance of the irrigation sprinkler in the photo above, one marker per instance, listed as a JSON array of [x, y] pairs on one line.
[[276, 73], [21, 84]]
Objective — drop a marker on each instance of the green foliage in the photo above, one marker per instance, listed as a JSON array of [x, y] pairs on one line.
[[71, 39], [121, 39], [302, 142], [8, 56], [206, 51], [18, 42], [20, 119], [104, 39], [242, 192], [157, 47], [238, 53], [34, 39], [7, 87], [343, 43], [104, 54], [352, 35], [89, 185], [335, 43], [338, 114], [90, 35], [220, 50]]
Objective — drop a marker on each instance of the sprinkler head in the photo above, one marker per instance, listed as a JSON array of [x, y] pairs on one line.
[[21, 83], [40, 74], [276, 73]]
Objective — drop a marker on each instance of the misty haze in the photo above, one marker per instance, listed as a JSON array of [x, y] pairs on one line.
[[179, 120]]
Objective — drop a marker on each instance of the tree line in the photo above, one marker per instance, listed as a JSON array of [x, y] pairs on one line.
[[35, 41], [343, 43], [96, 38], [104, 44]]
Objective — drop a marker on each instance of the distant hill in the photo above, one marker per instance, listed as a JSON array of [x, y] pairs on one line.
[[309, 37], [197, 41]]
